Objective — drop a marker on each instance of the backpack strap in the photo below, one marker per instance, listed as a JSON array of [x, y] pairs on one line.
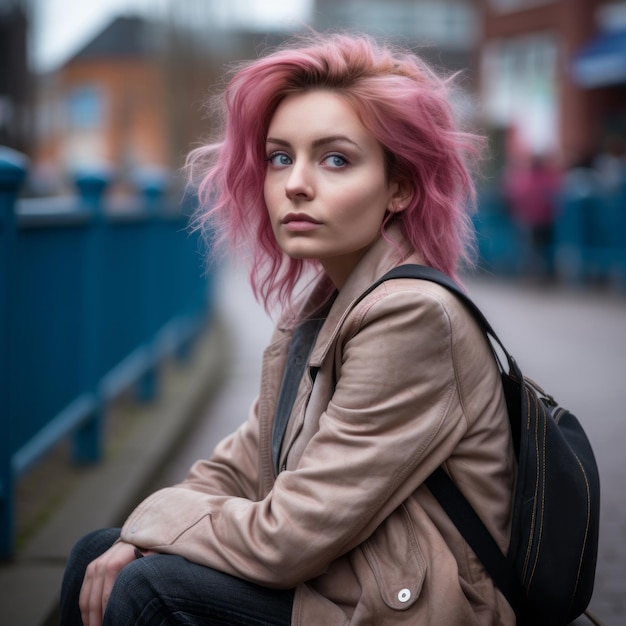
[[465, 518], [449, 496]]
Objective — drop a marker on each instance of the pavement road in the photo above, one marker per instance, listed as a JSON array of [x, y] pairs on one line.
[[572, 342]]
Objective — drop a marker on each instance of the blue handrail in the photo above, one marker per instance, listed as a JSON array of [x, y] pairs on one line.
[[588, 243], [90, 302]]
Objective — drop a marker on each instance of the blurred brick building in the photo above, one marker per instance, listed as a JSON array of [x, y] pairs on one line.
[[133, 98], [106, 105], [544, 78]]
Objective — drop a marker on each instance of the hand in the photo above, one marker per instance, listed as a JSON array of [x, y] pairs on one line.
[[99, 579]]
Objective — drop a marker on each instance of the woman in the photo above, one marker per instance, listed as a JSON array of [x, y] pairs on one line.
[[340, 157]]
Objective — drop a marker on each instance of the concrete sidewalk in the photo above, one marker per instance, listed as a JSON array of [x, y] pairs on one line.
[[103, 495]]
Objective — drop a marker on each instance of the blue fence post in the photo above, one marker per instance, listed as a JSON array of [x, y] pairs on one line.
[[198, 276], [571, 249], [152, 186], [13, 169], [88, 439]]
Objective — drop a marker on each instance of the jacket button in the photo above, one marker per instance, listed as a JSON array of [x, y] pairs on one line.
[[404, 595]]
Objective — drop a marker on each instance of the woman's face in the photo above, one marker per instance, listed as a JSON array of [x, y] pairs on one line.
[[325, 186]]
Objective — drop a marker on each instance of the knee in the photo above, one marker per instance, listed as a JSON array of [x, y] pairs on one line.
[[136, 578]]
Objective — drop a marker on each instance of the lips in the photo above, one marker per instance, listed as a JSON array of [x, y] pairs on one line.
[[299, 217], [300, 223]]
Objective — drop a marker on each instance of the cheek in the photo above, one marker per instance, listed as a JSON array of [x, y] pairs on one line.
[[368, 208]]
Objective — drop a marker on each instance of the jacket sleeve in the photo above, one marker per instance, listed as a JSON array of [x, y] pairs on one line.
[[387, 426]]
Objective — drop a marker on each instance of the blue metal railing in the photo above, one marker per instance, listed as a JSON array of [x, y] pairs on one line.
[[90, 302], [590, 238], [589, 241]]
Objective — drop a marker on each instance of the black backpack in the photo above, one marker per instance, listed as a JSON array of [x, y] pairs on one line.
[[548, 573]]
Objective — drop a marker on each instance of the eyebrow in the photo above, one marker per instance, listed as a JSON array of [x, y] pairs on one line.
[[323, 141]]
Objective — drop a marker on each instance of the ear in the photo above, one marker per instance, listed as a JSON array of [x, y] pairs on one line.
[[401, 196]]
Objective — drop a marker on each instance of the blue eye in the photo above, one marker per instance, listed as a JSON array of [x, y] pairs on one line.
[[279, 159], [335, 161]]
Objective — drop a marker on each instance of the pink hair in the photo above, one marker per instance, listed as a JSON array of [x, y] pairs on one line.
[[398, 98]]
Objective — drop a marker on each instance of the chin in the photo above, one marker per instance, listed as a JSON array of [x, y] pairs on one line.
[[298, 252], [302, 256]]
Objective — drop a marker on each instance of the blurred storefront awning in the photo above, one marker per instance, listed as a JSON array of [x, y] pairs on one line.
[[601, 62]]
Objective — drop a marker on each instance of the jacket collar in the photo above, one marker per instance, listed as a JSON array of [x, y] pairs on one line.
[[386, 253]]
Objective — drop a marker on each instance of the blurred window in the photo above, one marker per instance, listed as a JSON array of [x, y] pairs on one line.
[[448, 23], [84, 107], [519, 87], [451, 23], [504, 6]]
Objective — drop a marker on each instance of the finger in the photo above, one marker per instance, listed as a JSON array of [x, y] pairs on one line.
[[83, 598], [90, 596], [108, 581], [96, 608]]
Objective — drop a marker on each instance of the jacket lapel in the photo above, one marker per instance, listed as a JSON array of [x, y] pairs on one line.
[[385, 253]]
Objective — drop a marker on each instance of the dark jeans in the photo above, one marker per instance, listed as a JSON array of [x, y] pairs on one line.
[[163, 589]]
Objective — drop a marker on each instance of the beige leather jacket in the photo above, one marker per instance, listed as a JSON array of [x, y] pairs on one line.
[[406, 382]]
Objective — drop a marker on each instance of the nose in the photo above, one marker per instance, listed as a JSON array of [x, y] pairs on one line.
[[299, 183]]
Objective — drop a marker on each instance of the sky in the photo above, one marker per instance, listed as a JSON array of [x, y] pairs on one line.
[[61, 27]]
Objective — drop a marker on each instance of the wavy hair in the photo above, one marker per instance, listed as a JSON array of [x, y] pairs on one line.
[[398, 98]]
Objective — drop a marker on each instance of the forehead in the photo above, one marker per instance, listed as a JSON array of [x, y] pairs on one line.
[[317, 113]]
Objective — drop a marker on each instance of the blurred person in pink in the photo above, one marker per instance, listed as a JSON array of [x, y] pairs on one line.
[[339, 160], [531, 192]]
